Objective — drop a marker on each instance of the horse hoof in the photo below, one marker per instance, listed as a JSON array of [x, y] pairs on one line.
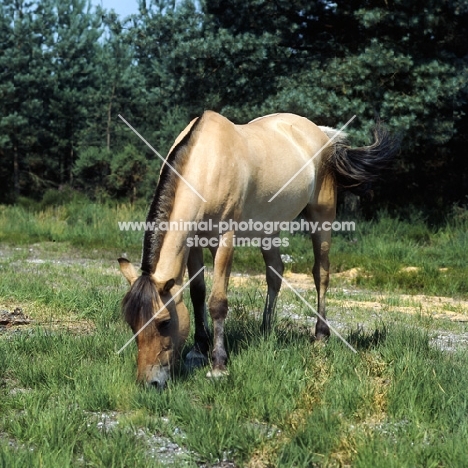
[[321, 337], [217, 373], [195, 360]]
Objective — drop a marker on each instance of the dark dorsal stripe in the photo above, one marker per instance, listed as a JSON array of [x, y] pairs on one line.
[[163, 199]]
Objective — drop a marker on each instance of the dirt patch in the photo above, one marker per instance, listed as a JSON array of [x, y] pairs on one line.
[[438, 307], [16, 317], [75, 327], [12, 443], [238, 279], [426, 307], [17, 321], [413, 269], [159, 446], [448, 341], [351, 274]]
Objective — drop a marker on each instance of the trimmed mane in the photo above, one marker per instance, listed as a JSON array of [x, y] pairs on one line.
[[163, 200]]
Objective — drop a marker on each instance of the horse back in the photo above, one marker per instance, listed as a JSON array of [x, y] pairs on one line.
[[240, 167]]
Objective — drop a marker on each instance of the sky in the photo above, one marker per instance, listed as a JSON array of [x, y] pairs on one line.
[[122, 7]]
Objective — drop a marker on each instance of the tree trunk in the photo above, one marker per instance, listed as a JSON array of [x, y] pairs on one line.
[[109, 118], [16, 177], [70, 168]]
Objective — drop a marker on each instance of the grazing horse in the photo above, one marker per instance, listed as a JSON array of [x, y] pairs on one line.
[[269, 170]]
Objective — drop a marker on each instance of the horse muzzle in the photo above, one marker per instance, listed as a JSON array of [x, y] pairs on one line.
[[158, 376]]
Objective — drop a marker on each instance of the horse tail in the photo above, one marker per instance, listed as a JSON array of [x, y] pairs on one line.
[[357, 168]]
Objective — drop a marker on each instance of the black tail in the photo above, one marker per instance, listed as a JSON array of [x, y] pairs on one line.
[[356, 168]]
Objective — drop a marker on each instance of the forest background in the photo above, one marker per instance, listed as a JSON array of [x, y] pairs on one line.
[[68, 69]]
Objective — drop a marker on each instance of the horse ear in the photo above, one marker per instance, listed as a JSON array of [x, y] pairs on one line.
[[164, 288], [128, 270]]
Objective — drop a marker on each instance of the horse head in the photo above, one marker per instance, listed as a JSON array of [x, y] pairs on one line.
[[159, 321]]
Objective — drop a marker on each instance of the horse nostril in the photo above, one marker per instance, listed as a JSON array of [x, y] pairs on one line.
[[158, 377], [156, 384]]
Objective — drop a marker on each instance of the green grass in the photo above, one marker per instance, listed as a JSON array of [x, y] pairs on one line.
[[398, 401], [80, 223], [381, 249], [288, 402]]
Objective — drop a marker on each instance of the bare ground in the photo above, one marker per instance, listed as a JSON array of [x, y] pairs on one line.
[[438, 307], [372, 306]]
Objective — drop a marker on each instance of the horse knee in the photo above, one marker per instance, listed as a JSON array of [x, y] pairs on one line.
[[218, 307]]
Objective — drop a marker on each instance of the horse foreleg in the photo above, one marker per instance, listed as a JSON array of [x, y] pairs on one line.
[[272, 258], [198, 355], [217, 303]]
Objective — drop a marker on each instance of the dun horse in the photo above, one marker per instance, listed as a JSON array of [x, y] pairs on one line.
[[222, 172]]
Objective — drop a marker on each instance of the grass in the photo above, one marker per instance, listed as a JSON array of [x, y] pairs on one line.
[[382, 249], [79, 223], [68, 400], [398, 401]]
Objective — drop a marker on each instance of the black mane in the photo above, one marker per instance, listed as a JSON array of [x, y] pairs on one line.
[[163, 199], [138, 303]]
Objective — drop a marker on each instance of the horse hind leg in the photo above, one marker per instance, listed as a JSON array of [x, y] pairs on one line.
[[321, 241], [321, 273], [198, 355], [272, 258]]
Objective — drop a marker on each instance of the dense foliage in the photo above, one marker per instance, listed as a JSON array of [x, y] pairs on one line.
[[68, 69]]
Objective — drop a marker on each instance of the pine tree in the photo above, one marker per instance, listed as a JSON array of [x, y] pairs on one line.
[[46, 77], [21, 111], [73, 46]]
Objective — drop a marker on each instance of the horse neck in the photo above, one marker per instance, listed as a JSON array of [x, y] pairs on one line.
[[172, 257], [173, 254]]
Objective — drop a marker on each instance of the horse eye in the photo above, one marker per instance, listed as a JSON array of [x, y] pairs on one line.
[[164, 324]]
